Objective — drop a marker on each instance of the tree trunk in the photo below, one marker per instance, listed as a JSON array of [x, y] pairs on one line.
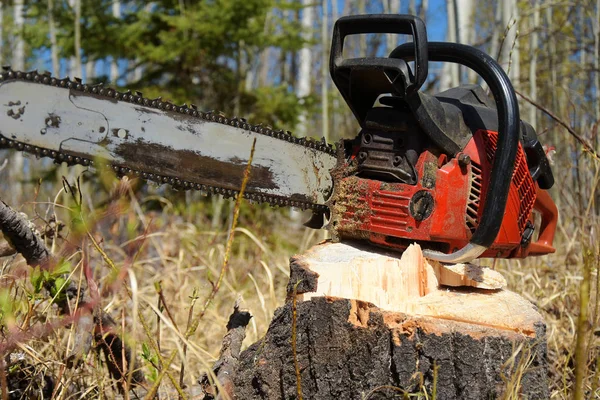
[[336, 117], [114, 67], [391, 7], [77, 71], [264, 67], [1, 33], [17, 161], [509, 55], [362, 39], [71, 65], [18, 61], [597, 61], [325, 70], [464, 18], [465, 28], [498, 29], [450, 76], [305, 62], [138, 72], [362, 324], [534, 44], [596, 26], [90, 70], [424, 9], [53, 43]]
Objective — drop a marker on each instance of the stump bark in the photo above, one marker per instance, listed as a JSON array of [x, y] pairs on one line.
[[371, 325]]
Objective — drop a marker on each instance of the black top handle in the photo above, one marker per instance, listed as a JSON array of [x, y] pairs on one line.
[[362, 80], [508, 128]]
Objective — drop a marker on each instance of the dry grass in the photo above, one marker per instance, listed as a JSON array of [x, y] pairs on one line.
[[554, 284], [165, 245], [150, 246]]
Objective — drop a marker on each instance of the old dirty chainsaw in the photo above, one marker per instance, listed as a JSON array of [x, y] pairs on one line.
[[457, 172]]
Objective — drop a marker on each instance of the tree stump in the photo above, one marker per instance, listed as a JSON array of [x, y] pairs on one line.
[[370, 325]]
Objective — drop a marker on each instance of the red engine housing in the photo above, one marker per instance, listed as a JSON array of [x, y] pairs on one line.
[[447, 203]]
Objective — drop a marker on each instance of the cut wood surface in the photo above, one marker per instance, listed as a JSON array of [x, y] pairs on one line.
[[411, 284]]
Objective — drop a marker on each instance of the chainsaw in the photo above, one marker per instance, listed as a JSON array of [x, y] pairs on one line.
[[457, 172]]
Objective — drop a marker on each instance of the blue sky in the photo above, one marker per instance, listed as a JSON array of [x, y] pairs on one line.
[[436, 20]]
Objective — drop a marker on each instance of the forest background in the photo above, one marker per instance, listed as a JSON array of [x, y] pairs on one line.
[[267, 61]]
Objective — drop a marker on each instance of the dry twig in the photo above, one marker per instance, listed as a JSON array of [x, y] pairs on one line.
[[588, 147]]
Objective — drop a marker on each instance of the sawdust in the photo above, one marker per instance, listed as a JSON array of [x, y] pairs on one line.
[[349, 209]]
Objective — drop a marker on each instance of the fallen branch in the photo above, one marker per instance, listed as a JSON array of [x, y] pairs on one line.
[[20, 235]]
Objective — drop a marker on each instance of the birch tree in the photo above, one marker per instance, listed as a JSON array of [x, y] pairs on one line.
[[53, 42], [391, 7], [138, 72], [464, 19], [18, 60], [17, 161], [497, 30], [324, 69], [450, 76], [509, 55], [424, 8], [114, 67], [362, 9], [534, 44], [90, 70], [75, 59], [77, 68], [1, 31], [465, 31], [306, 66], [596, 25]]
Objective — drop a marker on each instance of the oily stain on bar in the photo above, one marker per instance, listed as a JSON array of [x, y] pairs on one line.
[[190, 166]]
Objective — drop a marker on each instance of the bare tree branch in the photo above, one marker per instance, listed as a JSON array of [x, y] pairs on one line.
[[19, 234], [588, 147]]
